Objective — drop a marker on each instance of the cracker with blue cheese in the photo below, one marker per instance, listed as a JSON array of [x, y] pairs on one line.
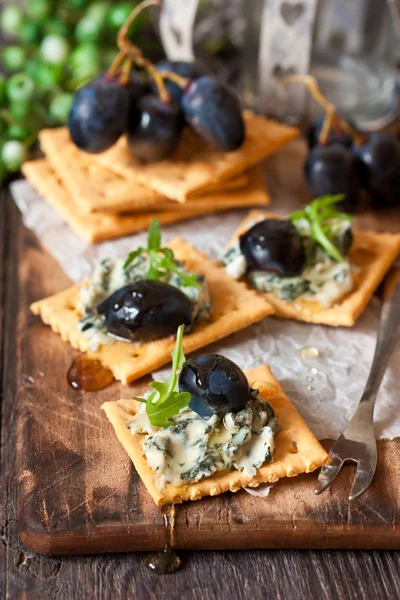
[[166, 458], [313, 266], [219, 306]]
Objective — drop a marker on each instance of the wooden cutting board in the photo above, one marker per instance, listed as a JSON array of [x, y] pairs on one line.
[[79, 493]]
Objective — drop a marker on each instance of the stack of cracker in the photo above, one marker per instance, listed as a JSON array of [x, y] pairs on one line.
[[108, 195]]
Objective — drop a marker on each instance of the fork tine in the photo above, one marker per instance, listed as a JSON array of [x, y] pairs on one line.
[[364, 474], [328, 473]]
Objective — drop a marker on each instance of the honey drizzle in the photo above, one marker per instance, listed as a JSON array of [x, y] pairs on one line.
[[165, 561]]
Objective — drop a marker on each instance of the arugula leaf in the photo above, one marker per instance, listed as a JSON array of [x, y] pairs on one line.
[[154, 236], [161, 260], [132, 256], [165, 401], [318, 214], [160, 415]]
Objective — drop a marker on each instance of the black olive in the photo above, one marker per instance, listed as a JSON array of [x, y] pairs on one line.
[[216, 383], [146, 310], [274, 245]]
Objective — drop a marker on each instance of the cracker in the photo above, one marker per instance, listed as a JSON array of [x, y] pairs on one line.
[[195, 165], [234, 307], [98, 227], [97, 189], [290, 459], [372, 254], [94, 188]]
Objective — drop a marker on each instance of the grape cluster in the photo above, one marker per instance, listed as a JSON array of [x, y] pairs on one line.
[[155, 114], [343, 166], [52, 48], [342, 161]]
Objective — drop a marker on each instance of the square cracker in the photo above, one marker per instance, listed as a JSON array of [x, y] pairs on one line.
[[97, 189], [195, 164], [98, 227], [303, 456], [94, 188], [372, 253], [234, 307]]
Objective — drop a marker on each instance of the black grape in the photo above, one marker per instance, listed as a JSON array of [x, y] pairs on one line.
[[331, 170], [154, 128], [98, 114], [380, 157], [335, 136], [213, 110], [189, 70]]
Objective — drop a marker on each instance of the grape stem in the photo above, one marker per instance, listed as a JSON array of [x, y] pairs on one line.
[[326, 127], [178, 79], [122, 36], [117, 62], [331, 114], [135, 54], [130, 54]]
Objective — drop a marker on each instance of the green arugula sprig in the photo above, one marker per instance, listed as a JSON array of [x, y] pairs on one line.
[[161, 260], [318, 214], [165, 401]]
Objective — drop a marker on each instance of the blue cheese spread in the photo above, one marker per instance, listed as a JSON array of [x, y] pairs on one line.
[[195, 447], [110, 276], [323, 279]]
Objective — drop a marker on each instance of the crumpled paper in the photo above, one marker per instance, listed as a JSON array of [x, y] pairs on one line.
[[325, 390]]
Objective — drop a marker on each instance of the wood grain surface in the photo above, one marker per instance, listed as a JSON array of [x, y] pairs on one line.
[[260, 573], [79, 493]]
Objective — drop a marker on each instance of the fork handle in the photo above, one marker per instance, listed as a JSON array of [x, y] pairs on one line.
[[388, 335]]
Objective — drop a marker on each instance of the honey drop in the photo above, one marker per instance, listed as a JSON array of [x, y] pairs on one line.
[[88, 374]]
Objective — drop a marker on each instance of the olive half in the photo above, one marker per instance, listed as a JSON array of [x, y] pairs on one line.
[[274, 245], [146, 310], [217, 385]]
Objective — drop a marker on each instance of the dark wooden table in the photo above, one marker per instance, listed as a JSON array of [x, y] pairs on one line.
[[282, 574]]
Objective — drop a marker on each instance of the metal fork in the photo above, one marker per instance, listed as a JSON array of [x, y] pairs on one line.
[[357, 443]]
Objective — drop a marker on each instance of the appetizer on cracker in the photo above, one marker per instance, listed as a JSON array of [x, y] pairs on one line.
[[312, 266], [127, 313], [211, 428]]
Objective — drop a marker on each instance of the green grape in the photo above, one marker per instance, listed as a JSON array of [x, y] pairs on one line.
[[87, 30], [54, 49], [58, 28], [47, 76], [76, 5], [60, 106], [84, 61], [13, 57], [119, 13], [29, 33], [39, 10], [11, 20], [31, 66], [98, 12], [13, 154], [19, 110], [20, 88], [2, 87], [18, 132]]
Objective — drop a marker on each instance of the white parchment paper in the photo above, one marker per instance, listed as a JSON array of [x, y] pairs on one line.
[[325, 390]]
